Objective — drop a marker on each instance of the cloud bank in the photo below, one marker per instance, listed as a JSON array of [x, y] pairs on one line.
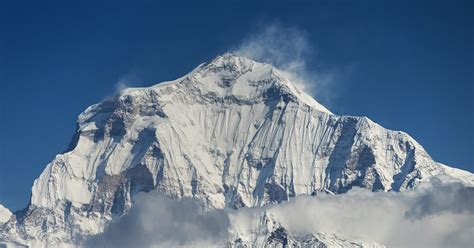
[[157, 221], [438, 215], [435, 215], [288, 49]]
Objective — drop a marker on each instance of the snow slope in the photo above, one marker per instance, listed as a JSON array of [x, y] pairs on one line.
[[232, 133]]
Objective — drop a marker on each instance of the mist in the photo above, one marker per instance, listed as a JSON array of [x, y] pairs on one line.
[[157, 221], [436, 214]]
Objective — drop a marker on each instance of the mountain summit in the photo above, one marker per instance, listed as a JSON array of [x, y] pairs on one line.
[[232, 133]]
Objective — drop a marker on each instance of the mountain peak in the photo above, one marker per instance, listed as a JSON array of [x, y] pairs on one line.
[[232, 133], [256, 76], [230, 76], [232, 59]]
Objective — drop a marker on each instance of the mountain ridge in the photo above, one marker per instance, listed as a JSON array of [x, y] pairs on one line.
[[232, 133]]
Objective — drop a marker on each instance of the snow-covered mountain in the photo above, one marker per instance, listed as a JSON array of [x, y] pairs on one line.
[[232, 133]]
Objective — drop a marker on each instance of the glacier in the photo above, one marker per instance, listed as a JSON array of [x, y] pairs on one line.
[[232, 133]]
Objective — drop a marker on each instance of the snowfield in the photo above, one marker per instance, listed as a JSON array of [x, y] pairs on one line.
[[231, 134]]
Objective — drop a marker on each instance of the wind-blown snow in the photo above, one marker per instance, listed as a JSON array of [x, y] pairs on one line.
[[232, 133], [4, 214]]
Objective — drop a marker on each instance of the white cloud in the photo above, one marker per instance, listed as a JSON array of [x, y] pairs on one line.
[[440, 215], [434, 215], [157, 221]]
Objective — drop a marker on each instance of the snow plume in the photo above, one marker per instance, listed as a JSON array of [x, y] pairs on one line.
[[436, 214], [288, 49], [126, 81], [4, 214]]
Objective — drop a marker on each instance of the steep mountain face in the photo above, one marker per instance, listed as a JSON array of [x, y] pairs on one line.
[[232, 133]]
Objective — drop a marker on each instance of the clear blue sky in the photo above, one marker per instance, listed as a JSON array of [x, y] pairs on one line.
[[409, 67]]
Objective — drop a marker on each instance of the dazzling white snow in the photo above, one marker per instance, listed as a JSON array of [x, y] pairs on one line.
[[231, 133]]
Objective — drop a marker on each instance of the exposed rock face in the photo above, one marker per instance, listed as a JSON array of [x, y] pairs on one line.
[[232, 133]]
